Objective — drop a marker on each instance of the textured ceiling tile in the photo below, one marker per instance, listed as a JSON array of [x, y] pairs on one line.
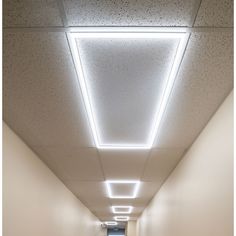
[[160, 163], [93, 193], [205, 79], [45, 155], [132, 12], [122, 201], [41, 90], [25, 13], [218, 13], [147, 191], [80, 164], [137, 209], [101, 209], [123, 164]]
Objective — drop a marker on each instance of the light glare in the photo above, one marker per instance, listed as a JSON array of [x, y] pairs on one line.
[[121, 218]]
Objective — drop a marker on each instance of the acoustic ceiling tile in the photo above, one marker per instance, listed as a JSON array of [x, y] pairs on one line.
[[81, 164], [149, 189], [204, 80], [25, 13], [126, 13], [93, 193], [41, 90], [160, 163], [216, 13], [123, 164]]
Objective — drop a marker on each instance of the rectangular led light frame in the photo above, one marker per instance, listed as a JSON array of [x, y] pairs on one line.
[[121, 218], [110, 223], [127, 32], [110, 192], [124, 211]]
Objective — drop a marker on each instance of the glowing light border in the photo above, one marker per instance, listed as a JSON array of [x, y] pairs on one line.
[[129, 209], [110, 223], [121, 218], [135, 191], [127, 32]]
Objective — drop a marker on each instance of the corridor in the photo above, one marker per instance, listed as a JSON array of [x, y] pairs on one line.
[[118, 118]]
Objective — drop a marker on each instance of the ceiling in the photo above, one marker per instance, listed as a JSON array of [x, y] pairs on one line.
[[43, 104]]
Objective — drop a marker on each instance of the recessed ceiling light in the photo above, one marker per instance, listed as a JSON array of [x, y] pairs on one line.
[[121, 209], [127, 33], [121, 218], [110, 223], [110, 185]]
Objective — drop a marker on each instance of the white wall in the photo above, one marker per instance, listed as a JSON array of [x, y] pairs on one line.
[[197, 198], [35, 202], [131, 228]]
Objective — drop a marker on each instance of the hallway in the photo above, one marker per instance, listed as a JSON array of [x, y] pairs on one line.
[[118, 118]]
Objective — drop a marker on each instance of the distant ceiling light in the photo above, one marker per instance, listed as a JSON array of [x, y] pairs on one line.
[[121, 218], [126, 33], [110, 183], [110, 223], [121, 209]]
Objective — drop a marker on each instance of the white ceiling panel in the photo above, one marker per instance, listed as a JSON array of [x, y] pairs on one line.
[[133, 12], [81, 164], [217, 13], [138, 209], [51, 162], [204, 80], [41, 90], [25, 13], [122, 209], [123, 164], [148, 190], [102, 209], [122, 189], [92, 193], [160, 163], [118, 72], [122, 202]]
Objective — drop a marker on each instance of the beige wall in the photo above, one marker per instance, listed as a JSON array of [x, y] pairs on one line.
[[197, 198], [131, 228], [35, 202]]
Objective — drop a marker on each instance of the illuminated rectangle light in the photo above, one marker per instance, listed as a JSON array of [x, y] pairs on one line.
[[109, 184], [125, 209], [126, 33], [121, 218], [110, 223]]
